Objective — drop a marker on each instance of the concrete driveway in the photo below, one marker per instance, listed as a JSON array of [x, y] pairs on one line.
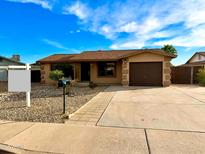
[[171, 108], [173, 118]]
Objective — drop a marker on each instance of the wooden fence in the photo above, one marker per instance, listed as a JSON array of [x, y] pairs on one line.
[[184, 74]]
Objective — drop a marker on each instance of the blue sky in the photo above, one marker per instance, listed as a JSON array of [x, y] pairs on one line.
[[38, 28]]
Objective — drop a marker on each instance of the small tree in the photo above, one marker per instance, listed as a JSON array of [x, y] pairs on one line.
[[56, 75], [170, 49], [201, 76]]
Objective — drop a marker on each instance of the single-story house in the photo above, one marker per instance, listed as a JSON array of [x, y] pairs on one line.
[[144, 67], [15, 60], [4, 61], [187, 73]]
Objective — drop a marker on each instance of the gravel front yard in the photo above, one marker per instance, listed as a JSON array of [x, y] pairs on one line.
[[46, 103]]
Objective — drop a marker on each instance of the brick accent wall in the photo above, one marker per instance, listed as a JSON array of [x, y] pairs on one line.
[[42, 73], [166, 72], [125, 72], [45, 70]]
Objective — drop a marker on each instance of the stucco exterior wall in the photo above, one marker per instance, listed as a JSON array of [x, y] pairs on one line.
[[147, 57], [105, 80], [45, 70]]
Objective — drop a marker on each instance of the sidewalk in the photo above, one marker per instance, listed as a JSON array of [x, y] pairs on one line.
[[60, 138]]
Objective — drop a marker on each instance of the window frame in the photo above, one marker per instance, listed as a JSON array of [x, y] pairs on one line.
[[73, 69], [107, 76]]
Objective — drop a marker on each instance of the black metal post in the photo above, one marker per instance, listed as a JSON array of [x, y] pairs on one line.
[[64, 98]]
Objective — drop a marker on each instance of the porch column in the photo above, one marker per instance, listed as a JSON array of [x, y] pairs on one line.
[[125, 72], [77, 72], [192, 74]]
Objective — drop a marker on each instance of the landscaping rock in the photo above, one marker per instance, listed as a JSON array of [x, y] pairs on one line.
[[46, 103]]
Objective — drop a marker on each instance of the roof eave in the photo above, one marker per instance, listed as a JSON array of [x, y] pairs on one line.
[[92, 60], [76, 60], [136, 53]]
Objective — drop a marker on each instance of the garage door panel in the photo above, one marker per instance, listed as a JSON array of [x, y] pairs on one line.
[[146, 74]]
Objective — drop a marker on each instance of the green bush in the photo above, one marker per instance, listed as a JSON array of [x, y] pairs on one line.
[[170, 49], [56, 75], [201, 76]]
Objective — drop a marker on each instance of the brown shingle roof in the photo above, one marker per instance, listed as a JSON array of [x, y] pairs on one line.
[[100, 55], [106, 55], [198, 63], [202, 53], [114, 54], [56, 58]]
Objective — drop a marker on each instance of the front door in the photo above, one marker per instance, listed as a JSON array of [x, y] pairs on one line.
[[85, 71]]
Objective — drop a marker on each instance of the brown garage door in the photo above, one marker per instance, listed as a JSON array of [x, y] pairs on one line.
[[146, 74]]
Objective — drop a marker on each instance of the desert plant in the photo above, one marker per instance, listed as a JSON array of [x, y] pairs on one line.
[[170, 49], [201, 76], [56, 75]]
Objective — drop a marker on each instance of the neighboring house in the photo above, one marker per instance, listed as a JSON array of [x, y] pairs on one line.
[[198, 57], [145, 67], [187, 73], [15, 60]]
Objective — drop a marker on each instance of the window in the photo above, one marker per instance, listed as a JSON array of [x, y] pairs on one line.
[[66, 68], [106, 69]]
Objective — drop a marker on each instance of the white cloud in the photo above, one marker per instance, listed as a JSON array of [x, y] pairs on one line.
[[74, 31], [129, 27], [150, 24], [164, 34], [79, 9], [135, 42], [141, 20], [54, 44], [107, 31], [43, 3], [196, 38], [145, 21], [129, 44]]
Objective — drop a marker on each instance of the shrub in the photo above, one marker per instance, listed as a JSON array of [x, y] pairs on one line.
[[56, 75], [201, 77]]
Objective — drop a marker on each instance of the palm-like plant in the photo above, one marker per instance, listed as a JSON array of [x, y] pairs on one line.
[[170, 49]]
